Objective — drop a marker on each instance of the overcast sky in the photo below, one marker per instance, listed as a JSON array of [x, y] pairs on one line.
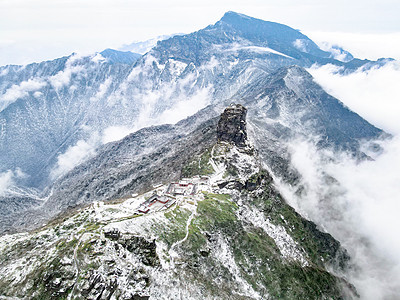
[[34, 30]]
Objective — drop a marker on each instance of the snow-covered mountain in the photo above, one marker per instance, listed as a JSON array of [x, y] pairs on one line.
[[64, 109], [91, 129], [282, 105]]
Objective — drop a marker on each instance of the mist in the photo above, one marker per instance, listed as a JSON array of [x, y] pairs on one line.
[[357, 202], [167, 104], [374, 93], [8, 180]]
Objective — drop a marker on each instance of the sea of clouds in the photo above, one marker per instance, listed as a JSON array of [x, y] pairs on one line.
[[358, 202]]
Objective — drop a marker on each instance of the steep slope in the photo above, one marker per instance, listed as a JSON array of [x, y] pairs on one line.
[[51, 106], [147, 157], [222, 233], [288, 105]]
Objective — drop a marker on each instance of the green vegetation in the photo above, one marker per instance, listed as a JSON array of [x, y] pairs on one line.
[[112, 210], [256, 178], [47, 271], [262, 265], [215, 233], [199, 165], [91, 227], [86, 247], [321, 247], [221, 149], [63, 246], [230, 171], [175, 229], [255, 253], [215, 212]]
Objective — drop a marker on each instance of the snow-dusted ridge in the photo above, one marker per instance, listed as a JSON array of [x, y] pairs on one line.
[[145, 245]]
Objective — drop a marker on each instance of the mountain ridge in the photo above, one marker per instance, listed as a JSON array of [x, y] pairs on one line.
[[191, 237]]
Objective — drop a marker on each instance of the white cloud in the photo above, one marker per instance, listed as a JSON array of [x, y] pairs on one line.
[[102, 90], [8, 178], [115, 133], [374, 94], [98, 58], [49, 29], [21, 90], [5, 43], [336, 52], [169, 103], [6, 181], [361, 45], [85, 149], [63, 77], [186, 107], [33, 85], [244, 46], [360, 210], [75, 155], [300, 44], [37, 94], [4, 71], [143, 47]]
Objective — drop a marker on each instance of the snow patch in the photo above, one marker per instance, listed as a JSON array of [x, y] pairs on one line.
[[237, 47], [287, 246], [224, 255]]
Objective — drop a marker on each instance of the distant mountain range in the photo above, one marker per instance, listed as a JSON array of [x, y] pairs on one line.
[[57, 114]]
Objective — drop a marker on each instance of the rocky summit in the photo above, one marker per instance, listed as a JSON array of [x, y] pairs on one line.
[[232, 125]]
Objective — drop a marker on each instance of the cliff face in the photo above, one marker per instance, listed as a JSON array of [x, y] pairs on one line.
[[232, 125]]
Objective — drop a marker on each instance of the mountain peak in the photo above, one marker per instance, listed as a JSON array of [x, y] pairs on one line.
[[232, 17], [232, 14], [277, 36]]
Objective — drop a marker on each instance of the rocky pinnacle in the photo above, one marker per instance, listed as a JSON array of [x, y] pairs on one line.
[[232, 125]]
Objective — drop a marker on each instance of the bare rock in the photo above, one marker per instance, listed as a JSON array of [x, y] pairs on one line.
[[232, 125]]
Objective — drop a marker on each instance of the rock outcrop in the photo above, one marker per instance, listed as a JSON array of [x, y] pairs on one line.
[[232, 125]]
